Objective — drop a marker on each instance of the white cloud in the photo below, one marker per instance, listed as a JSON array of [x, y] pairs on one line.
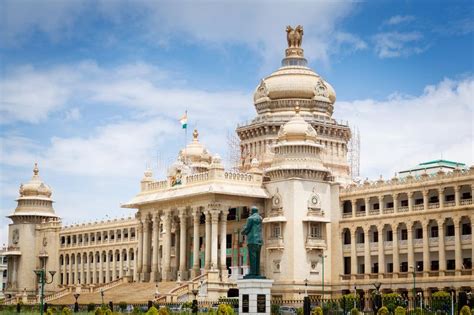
[[403, 131], [212, 24], [399, 19], [397, 44], [27, 95], [72, 114]]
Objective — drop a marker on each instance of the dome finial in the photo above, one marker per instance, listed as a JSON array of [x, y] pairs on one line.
[[195, 134], [36, 170]]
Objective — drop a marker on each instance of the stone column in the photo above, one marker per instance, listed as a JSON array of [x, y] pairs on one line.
[[93, 268], [155, 247], [139, 259], [441, 248], [208, 241], [107, 267], [146, 249], [381, 254], [182, 247], [367, 262], [410, 200], [457, 196], [425, 203], [76, 270], [472, 238], [395, 202], [215, 221], [367, 205], [223, 254], [426, 248], [411, 255], [441, 197], [354, 207], [114, 266], [101, 268], [166, 268], [381, 204], [457, 245], [353, 252], [395, 257], [196, 262], [121, 274]]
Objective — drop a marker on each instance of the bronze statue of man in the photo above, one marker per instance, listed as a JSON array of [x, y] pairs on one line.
[[253, 231]]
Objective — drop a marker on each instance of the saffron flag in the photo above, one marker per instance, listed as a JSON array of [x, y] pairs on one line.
[[184, 120]]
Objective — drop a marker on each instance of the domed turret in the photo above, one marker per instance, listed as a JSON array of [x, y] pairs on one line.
[[294, 81], [35, 198], [297, 129], [195, 155], [297, 152]]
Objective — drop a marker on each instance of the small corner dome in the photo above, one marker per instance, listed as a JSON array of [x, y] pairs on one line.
[[35, 187], [195, 151], [297, 129]]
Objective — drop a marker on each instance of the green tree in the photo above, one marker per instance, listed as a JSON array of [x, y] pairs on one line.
[[317, 311], [152, 311], [383, 311], [400, 310]]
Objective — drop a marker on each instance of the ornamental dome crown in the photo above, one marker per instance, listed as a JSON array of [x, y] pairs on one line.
[[35, 187], [295, 80], [297, 129], [35, 198], [195, 154]]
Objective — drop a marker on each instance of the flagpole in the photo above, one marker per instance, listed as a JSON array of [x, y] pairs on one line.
[[185, 136]]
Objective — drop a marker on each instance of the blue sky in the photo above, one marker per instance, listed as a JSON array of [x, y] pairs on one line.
[[93, 90]]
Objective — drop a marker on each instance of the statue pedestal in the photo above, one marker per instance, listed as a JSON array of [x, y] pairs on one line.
[[254, 296]]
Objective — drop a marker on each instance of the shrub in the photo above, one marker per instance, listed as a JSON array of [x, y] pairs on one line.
[[441, 301], [164, 311], [354, 311], [275, 309], [66, 311], [152, 311], [122, 306], [136, 310], [383, 311], [212, 311], [99, 311], [317, 311], [348, 302], [299, 311], [90, 307], [465, 310], [50, 311], [225, 309], [419, 311], [400, 311]]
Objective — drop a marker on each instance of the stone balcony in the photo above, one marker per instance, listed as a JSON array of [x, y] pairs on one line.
[[275, 243], [313, 243]]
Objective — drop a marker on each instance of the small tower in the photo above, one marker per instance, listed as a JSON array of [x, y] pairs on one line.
[[304, 200], [33, 241]]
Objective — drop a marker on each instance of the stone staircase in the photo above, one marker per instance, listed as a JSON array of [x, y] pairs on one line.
[[134, 292]]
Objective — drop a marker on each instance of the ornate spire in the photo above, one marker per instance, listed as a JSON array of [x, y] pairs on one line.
[[294, 36], [35, 170], [195, 135]]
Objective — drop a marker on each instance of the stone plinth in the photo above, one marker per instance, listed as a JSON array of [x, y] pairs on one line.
[[254, 296]]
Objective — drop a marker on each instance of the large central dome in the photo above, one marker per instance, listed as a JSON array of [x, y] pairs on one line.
[[294, 81]]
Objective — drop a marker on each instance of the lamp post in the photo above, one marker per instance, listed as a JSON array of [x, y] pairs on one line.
[[41, 273], [322, 256], [194, 306], [306, 304], [76, 305], [102, 295]]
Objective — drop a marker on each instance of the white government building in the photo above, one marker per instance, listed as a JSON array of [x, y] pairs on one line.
[[320, 228]]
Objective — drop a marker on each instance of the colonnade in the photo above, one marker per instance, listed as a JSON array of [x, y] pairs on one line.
[[368, 238], [155, 250], [96, 267]]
